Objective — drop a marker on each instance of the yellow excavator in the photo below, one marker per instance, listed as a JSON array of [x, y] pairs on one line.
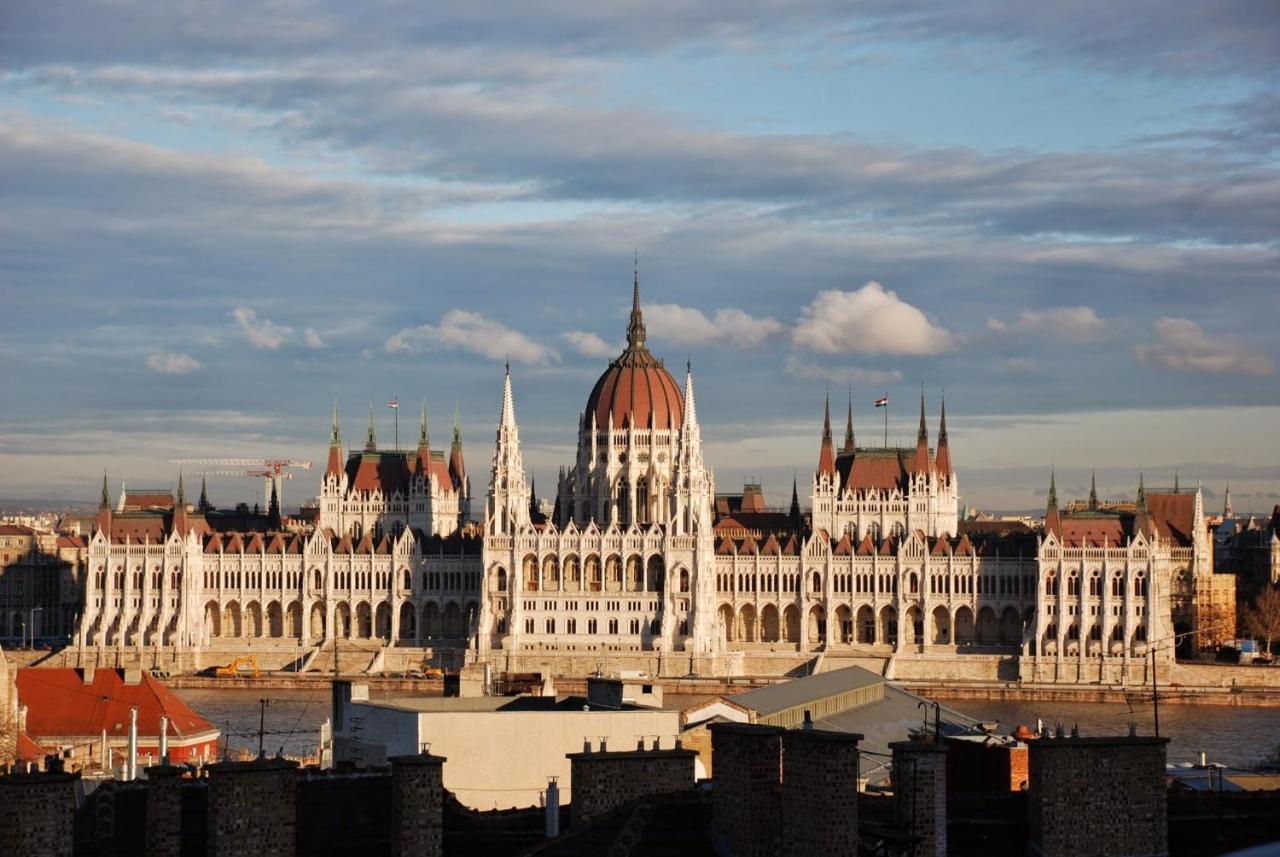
[[239, 668]]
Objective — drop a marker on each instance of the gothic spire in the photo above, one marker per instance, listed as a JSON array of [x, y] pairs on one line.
[[273, 509], [457, 419], [848, 427], [1093, 491], [943, 458], [371, 439], [1142, 491], [182, 495], [507, 419], [1175, 481], [1052, 518], [826, 454], [204, 495], [424, 438], [1226, 505], [921, 464], [922, 435], [635, 328], [795, 506], [105, 501], [1053, 491], [335, 434]]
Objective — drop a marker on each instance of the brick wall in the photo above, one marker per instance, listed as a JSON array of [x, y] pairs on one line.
[[36, 814], [1098, 796], [164, 811], [747, 795], [819, 793], [919, 777], [603, 780], [252, 808], [417, 805]]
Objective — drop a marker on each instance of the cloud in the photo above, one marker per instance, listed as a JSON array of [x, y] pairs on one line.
[[589, 344], [1183, 347], [312, 339], [261, 332], [1015, 364], [868, 321], [840, 374], [1073, 324], [689, 326], [472, 332], [172, 363]]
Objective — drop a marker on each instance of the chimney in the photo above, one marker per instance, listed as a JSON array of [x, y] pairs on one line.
[[131, 763], [553, 809], [164, 740]]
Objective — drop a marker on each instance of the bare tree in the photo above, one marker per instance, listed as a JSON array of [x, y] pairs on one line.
[[1262, 618]]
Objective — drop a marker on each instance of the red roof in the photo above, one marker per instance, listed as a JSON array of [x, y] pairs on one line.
[[15, 530], [634, 390], [61, 705], [29, 750], [1174, 516]]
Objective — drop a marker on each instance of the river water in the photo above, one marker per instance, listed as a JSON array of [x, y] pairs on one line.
[[1230, 735]]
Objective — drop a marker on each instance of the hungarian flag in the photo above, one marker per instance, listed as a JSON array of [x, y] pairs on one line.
[[882, 402], [394, 403]]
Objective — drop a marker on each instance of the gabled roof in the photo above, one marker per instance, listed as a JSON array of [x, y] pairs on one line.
[[60, 704], [1173, 516]]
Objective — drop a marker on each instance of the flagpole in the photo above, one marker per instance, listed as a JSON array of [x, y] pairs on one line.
[[397, 410], [886, 420]]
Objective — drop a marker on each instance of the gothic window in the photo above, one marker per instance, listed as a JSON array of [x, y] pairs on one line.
[[1073, 584], [1095, 585], [1117, 585], [1050, 584], [1140, 585], [913, 583]]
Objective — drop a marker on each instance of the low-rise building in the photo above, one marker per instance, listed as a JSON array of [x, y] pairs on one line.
[[501, 750]]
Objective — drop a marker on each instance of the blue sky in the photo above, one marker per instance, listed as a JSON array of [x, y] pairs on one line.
[[218, 219]]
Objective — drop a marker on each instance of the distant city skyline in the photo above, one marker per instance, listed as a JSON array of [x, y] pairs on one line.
[[1067, 220]]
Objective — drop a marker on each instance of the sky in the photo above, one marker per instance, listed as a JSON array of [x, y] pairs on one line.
[[220, 217]]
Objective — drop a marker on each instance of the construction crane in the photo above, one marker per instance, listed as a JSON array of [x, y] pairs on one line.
[[271, 470]]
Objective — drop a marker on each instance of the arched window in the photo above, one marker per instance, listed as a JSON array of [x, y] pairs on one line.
[[1050, 584], [913, 583], [1073, 584], [1117, 585], [1095, 585], [1140, 585]]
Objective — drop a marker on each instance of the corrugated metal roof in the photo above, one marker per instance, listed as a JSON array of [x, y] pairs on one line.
[[779, 697]]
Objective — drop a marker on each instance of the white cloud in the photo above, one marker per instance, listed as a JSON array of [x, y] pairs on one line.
[[475, 333], [1184, 347], [870, 321], [689, 326], [1072, 323], [260, 331], [170, 363], [589, 344], [312, 338], [840, 374]]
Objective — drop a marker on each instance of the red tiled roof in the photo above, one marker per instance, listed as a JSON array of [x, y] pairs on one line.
[[1081, 532], [60, 705], [29, 750], [148, 500], [1173, 516], [15, 530], [636, 390], [71, 541]]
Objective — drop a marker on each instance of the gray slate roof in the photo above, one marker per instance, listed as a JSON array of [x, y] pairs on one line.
[[778, 697]]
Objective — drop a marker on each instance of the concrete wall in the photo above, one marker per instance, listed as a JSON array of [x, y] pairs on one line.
[[501, 759]]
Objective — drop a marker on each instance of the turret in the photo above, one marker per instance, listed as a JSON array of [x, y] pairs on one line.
[[848, 447], [796, 520], [921, 463], [334, 467], [826, 453], [1093, 491], [1052, 518], [371, 439], [205, 506], [457, 467], [424, 446], [104, 508], [508, 501], [180, 509], [273, 509], [943, 458]]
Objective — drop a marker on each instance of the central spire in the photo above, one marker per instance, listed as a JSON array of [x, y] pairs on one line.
[[635, 328]]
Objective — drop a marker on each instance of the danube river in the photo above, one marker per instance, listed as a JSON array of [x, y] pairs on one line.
[[1230, 735]]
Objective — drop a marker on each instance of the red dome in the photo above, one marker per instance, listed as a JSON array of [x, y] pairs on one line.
[[636, 388]]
